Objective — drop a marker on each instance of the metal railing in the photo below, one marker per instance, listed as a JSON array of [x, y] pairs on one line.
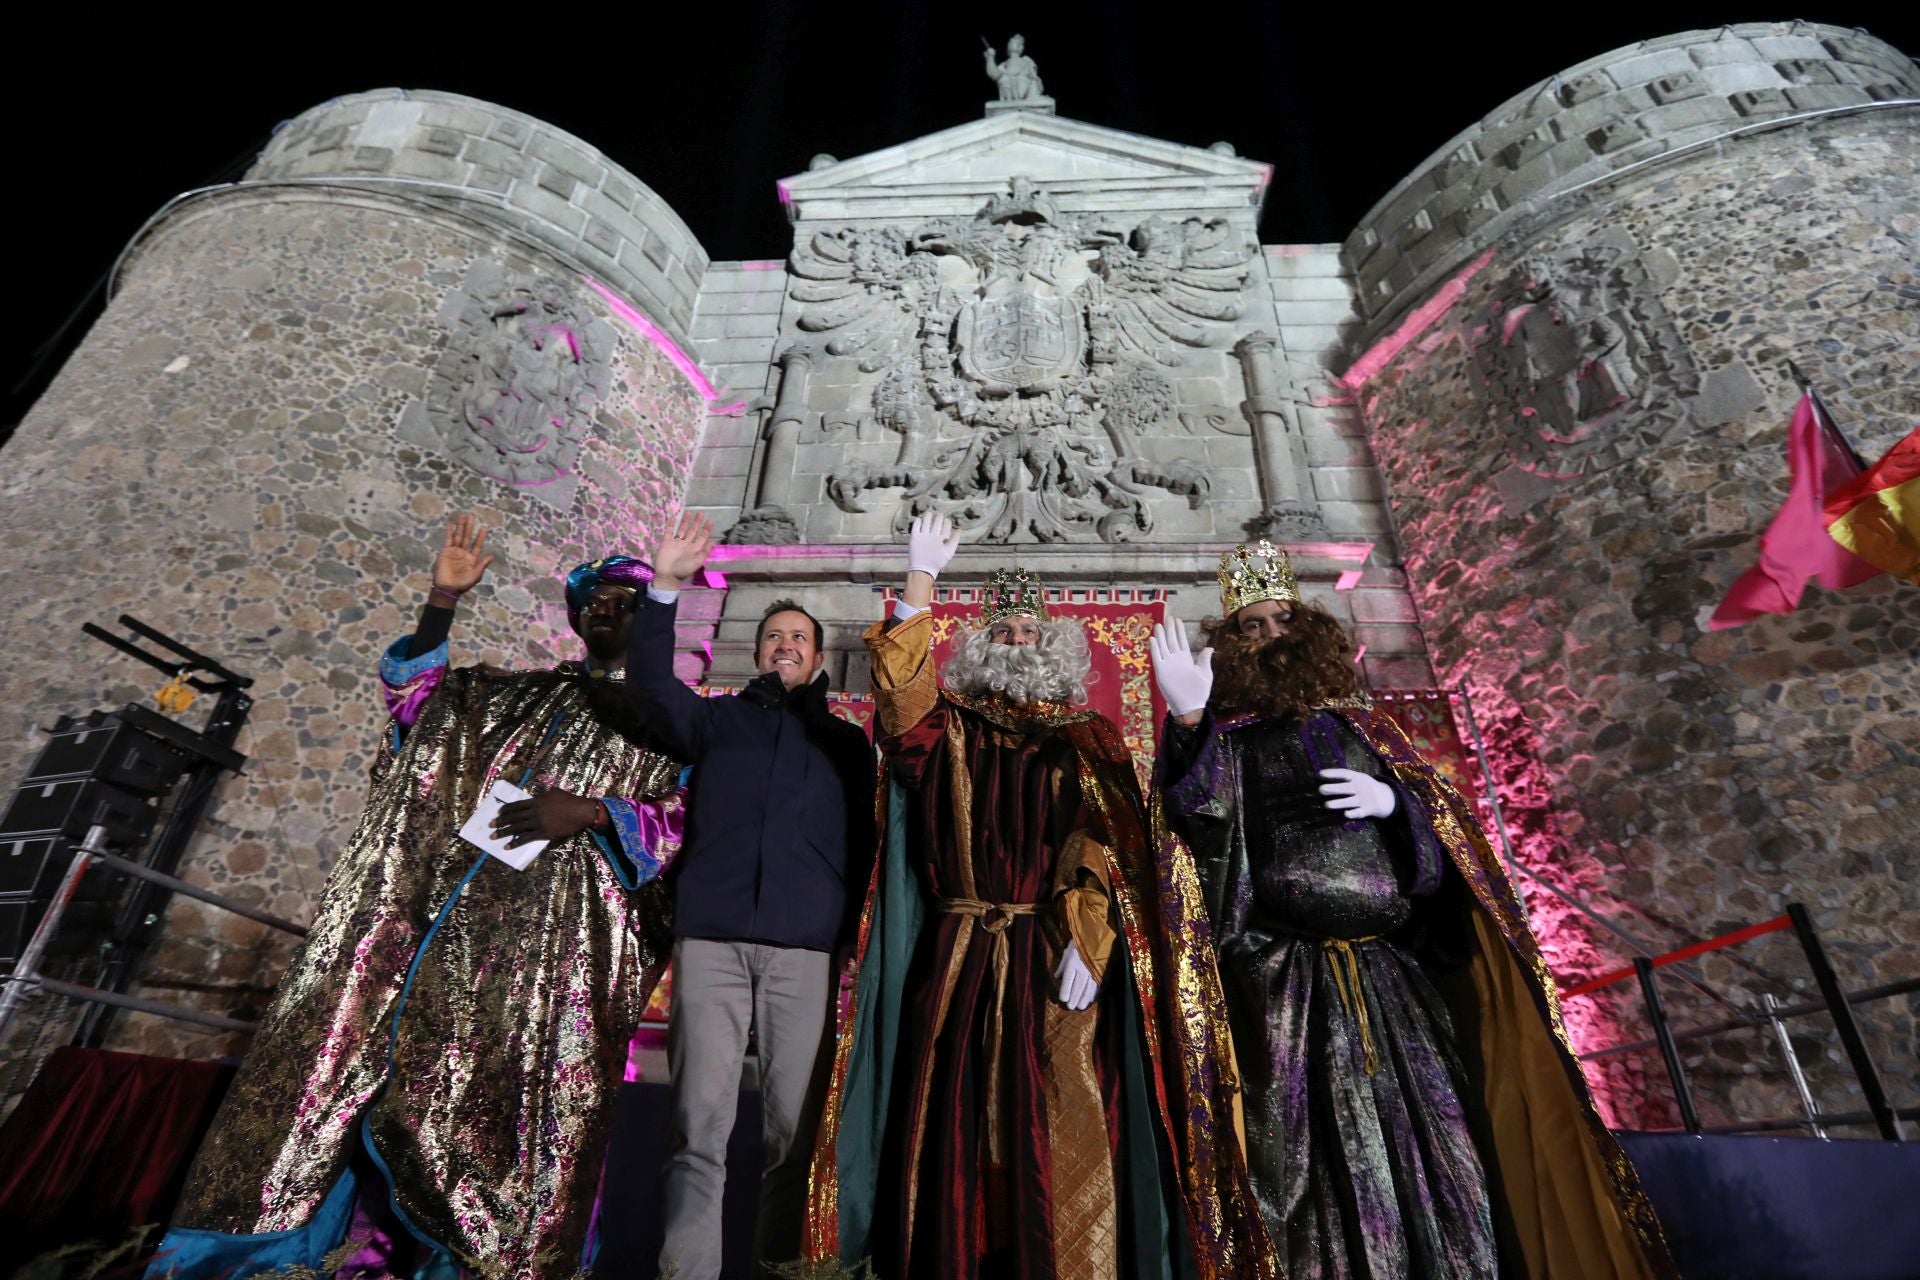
[[92, 852], [1833, 999]]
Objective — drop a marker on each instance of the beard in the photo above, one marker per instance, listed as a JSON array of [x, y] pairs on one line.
[[1310, 666], [1055, 670]]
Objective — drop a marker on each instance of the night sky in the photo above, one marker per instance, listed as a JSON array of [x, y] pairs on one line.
[[709, 102]]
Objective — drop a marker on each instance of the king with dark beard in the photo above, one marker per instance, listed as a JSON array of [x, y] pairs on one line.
[[1413, 1106]]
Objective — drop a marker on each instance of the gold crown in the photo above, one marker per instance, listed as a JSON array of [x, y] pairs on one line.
[[1011, 591], [1248, 577]]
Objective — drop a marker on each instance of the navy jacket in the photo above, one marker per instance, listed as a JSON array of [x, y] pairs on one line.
[[779, 841]]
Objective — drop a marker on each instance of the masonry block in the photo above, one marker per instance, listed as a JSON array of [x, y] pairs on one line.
[[1777, 48], [1312, 289], [370, 159], [602, 237], [1685, 115], [1739, 77], [1718, 52], [546, 206], [1677, 87], [1822, 97], [1377, 604], [1614, 135], [1811, 71], [1545, 170], [1761, 103], [1518, 153], [1585, 87], [570, 160], [1650, 66], [441, 142], [427, 167], [513, 132]]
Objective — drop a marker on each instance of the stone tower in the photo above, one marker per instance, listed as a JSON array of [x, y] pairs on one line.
[[414, 304], [1572, 363]]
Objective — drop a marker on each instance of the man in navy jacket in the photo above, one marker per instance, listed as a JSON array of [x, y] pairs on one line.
[[779, 847]]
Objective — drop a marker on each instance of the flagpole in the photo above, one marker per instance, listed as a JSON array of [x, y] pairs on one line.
[[1825, 416]]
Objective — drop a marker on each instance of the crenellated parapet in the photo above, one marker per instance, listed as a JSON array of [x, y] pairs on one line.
[[1639, 106], [507, 170]]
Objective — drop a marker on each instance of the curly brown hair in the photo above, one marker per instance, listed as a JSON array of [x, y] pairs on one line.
[[1310, 666]]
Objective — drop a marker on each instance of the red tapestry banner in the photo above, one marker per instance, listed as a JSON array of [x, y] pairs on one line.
[[1428, 719], [1119, 623]]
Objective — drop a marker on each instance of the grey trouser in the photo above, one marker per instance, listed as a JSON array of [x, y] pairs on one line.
[[720, 989]]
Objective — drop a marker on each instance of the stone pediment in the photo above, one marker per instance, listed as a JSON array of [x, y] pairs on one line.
[[1083, 166]]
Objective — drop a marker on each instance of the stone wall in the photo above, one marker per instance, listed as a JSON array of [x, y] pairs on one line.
[[1297, 295], [502, 169], [1197, 404], [1607, 114], [224, 457], [1581, 448]]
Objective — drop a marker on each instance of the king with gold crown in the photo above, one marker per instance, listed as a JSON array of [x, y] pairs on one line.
[[1413, 1107], [1033, 1077]]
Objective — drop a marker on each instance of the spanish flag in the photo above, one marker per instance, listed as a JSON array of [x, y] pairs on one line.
[[1796, 545], [1876, 515]]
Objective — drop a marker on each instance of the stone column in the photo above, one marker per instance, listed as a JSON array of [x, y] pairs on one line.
[[770, 522], [1292, 513]]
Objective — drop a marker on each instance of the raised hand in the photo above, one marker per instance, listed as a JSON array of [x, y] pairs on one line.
[[931, 543], [1078, 986], [462, 559], [1356, 794], [682, 550], [1185, 678]]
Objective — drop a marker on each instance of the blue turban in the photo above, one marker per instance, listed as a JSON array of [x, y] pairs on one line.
[[621, 571]]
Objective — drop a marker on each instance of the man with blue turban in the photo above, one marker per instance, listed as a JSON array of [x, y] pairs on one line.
[[437, 1073]]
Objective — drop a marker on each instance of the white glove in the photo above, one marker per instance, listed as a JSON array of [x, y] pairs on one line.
[[1185, 678], [931, 542], [1078, 986], [1356, 794]]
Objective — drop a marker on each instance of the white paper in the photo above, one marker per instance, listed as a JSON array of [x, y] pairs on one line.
[[479, 828]]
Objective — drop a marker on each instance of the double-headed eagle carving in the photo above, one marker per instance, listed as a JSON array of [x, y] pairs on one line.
[[1020, 354]]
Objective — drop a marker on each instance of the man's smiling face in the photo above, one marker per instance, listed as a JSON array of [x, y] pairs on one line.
[[788, 646]]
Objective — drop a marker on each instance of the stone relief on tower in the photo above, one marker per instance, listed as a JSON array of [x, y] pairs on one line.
[[1022, 353], [1576, 345], [512, 394]]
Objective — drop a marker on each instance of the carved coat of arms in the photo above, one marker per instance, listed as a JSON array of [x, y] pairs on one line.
[[1021, 353], [513, 394], [1574, 344]]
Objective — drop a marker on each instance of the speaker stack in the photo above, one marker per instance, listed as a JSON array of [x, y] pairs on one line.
[[97, 771]]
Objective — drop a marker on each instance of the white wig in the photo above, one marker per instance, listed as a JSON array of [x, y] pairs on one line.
[[1058, 669]]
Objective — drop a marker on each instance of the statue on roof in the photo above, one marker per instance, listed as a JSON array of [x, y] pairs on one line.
[[1017, 77]]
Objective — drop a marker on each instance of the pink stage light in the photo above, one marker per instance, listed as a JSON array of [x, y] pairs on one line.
[[1348, 579], [764, 264], [1414, 325], [654, 334], [786, 196]]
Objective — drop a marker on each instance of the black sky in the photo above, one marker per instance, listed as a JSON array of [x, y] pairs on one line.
[[710, 101]]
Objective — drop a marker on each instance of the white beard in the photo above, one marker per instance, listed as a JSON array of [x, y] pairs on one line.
[[1058, 669]]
